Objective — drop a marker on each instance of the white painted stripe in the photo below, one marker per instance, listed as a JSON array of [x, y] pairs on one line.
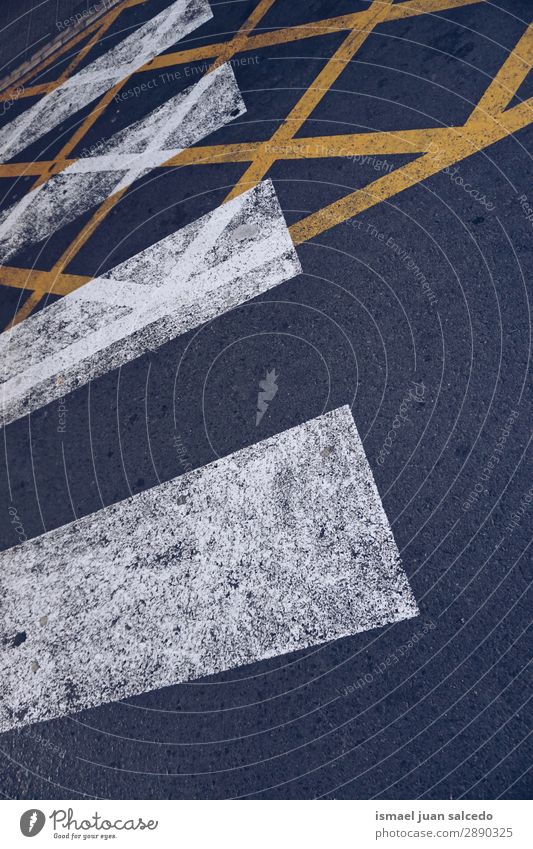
[[280, 546], [226, 257], [154, 37], [180, 122]]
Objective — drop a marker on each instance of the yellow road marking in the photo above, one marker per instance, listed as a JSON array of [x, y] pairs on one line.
[[103, 210], [86, 231], [265, 157], [235, 44], [461, 144], [44, 88], [43, 281], [91, 118], [439, 147], [281, 36], [507, 81], [311, 30], [78, 58], [347, 144]]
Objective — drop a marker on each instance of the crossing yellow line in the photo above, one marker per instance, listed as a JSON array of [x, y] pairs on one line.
[[486, 126], [78, 58], [42, 281], [236, 44], [103, 210], [326, 26], [438, 147], [265, 156], [461, 143], [343, 145], [91, 118], [44, 88], [268, 39], [506, 82]]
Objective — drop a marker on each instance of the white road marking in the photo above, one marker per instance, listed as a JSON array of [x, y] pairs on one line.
[[180, 122], [280, 546], [152, 38], [232, 254]]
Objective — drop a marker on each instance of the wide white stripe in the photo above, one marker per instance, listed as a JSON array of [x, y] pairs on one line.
[[180, 122], [280, 546], [158, 34], [173, 286]]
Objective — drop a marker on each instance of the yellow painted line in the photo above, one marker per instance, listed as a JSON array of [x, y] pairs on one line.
[[213, 154], [343, 22], [61, 162], [426, 7], [104, 209], [281, 36], [60, 159], [461, 144], [19, 93], [44, 88], [24, 169], [86, 125], [104, 26], [343, 145], [312, 96], [507, 81], [339, 23], [235, 44], [464, 143], [354, 144], [447, 145], [44, 281]]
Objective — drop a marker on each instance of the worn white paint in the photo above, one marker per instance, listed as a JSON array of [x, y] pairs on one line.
[[232, 254], [150, 39], [280, 546], [131, 153]]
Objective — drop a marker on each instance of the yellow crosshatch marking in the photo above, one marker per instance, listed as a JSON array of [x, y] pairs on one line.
[[489, 122], [266, 156]]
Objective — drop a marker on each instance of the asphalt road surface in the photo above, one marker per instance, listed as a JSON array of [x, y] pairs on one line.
[[364, 169]]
